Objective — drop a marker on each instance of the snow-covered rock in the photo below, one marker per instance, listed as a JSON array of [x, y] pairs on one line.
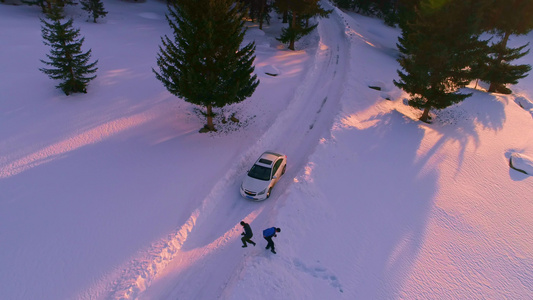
[[521, 163], [524, 103], [378, 85]]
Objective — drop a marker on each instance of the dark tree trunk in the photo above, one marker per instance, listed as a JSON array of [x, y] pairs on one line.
[[425, 115], [261, 12], [210, 124], [291, 44]]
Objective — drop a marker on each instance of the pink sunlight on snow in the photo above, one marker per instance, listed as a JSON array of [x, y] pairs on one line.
[[83, 139], [114, 194]]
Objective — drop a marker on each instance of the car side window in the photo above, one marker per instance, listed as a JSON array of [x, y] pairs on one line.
[[276, 166]]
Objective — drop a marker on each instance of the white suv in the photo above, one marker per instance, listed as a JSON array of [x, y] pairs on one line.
[[263, 175]]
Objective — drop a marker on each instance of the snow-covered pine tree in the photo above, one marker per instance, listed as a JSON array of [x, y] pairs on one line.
[[204, 64], [95, 8], [436, 51], [69, 64]]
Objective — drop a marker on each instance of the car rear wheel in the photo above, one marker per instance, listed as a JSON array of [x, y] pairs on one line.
[[284, 168]]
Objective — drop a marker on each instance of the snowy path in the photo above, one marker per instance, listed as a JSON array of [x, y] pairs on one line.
[[207, 247]]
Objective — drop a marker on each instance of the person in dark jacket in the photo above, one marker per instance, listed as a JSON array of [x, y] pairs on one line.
[[268, 234], [247, 234]]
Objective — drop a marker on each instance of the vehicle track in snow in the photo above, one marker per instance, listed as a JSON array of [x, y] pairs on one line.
[[206, 248]]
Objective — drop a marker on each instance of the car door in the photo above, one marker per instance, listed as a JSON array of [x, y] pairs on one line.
[[276, 172]]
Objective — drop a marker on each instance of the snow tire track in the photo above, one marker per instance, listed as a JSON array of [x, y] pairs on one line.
[[314, 100]]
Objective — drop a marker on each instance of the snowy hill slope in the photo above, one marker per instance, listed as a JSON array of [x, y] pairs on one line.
[[114, 194]]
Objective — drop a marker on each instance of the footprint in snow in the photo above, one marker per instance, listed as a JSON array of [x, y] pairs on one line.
[[318, 272]]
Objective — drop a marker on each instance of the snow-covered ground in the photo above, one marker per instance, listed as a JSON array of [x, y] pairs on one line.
[[114, 193]]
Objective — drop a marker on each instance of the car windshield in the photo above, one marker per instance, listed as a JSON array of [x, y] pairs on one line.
[[260, 172]]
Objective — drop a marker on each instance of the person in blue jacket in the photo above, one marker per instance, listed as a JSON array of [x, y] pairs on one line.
[[247, 234], [268, 234]]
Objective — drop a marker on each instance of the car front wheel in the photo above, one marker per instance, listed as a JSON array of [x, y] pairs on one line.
[[268, 193]]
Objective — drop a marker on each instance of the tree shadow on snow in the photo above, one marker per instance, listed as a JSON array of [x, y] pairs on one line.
[[461, 122], [395, 189], [394, 195]]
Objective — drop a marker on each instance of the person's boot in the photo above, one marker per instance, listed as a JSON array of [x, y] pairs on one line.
[[244, 246], [253, 243], [273, 251]]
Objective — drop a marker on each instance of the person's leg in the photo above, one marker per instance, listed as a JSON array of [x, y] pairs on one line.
[[243, 239], [270, 242], [249, 240]]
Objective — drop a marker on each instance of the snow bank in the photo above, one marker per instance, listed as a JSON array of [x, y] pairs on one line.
[[525, 104], [521, 163], [380, 86]]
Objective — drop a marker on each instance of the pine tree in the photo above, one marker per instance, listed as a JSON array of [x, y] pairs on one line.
[[299, 12], [263, 9], [499, 71], [295, 31], [391, 11], [205, 64], [437, 50], [44, 4], [365, 7], [68, 62], [95, 8], [282, 7], [345, 4], [505, 18], [47, 4], [406, 11], [258, 10]]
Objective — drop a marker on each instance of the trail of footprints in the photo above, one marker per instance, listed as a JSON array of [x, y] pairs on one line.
[[318, 272]]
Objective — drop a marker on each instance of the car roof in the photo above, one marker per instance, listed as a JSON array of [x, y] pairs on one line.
[[267, 158]]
